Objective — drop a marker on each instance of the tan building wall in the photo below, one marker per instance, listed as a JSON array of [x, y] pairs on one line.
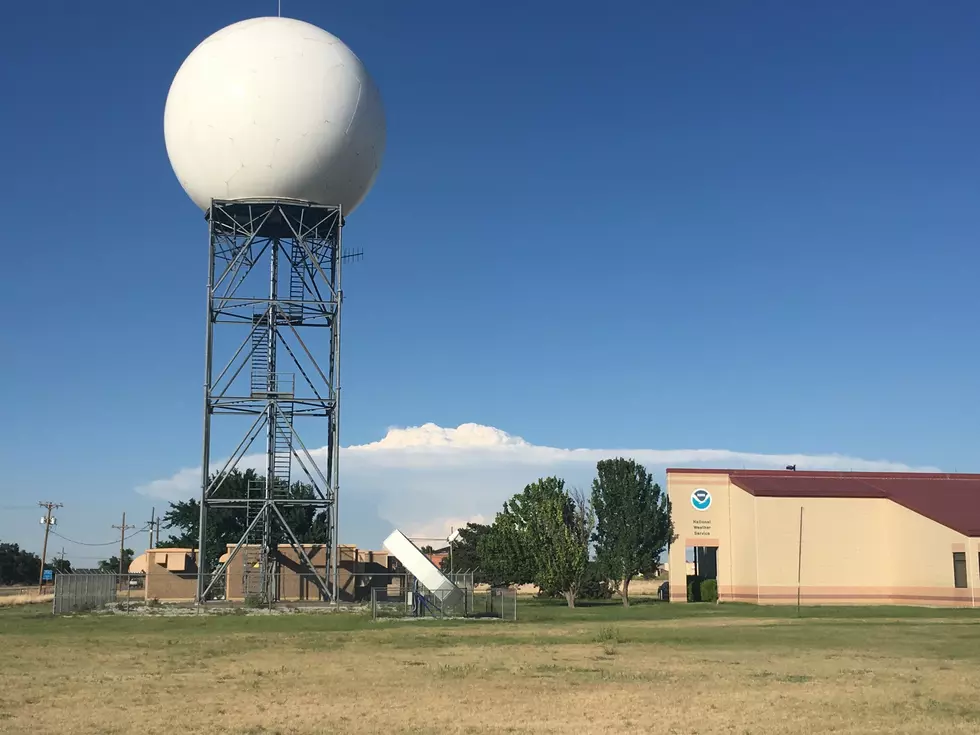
[[171, 574], [358, 570], [738, 555], [294, 582], [853, 550], [921, 554], [843, 544]]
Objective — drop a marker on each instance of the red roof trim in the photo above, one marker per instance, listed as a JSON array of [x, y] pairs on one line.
[[952, 500], [857, 488], [692, 471], [825, 473]]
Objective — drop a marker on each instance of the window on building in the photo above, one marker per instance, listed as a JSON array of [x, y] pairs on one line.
[[959, 568]]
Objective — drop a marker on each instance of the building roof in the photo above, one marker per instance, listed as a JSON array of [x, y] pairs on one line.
[[952, 500]]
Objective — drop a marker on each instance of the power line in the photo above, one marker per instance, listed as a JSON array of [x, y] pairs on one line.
[[82, 543]]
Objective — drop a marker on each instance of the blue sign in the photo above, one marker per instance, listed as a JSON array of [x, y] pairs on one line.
[[701, 499], [47, 575]]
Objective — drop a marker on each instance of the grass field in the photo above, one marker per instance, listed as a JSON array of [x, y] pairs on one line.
[[596, 669]]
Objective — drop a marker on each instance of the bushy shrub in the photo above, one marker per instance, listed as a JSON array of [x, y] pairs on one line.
[[253, 601], [709, 590]]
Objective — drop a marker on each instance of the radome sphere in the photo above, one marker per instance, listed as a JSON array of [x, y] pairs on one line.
[[274, 108]]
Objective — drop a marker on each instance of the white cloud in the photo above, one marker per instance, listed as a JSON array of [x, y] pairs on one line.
[[426, 479], [181, 485], [466, 436]]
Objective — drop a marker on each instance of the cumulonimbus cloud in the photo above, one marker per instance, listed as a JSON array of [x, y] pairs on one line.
[[427, 479]]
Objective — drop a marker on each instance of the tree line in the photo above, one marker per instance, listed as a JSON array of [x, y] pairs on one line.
[[18, 566], [555, 537], [569, 544]]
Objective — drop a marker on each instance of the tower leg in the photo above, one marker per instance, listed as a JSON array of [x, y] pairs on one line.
[[202, 561]]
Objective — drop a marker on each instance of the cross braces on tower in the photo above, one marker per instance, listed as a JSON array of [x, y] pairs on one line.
[[300, 245]]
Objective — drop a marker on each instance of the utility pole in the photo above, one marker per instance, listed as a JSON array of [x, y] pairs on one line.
[[150, 525], [450, 540], [47, 521], [122, 542]]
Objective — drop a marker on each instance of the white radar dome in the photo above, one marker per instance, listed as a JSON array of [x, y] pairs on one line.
[[274, 108]]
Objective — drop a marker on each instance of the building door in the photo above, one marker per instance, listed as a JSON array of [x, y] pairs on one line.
[[705, 567]]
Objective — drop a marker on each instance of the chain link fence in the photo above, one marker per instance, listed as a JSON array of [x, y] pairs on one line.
[[81, 592], [77, 592], [419, 602], [502, 603], [381, 594]]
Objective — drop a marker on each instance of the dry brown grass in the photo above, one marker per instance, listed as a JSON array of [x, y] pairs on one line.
[[18, 590], [25, 598], [292, 677]]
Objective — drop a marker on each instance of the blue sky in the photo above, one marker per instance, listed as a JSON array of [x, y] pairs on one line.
[[739, 226]]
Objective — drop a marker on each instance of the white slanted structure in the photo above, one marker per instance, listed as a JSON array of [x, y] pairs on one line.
[[439, 586]]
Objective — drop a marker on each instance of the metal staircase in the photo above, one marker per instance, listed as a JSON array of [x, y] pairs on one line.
[[252, 550], [283, 445], [260, 353], [297, 283], [279, 390]]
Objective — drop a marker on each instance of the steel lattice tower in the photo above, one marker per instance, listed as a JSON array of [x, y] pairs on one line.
[[274, 277]]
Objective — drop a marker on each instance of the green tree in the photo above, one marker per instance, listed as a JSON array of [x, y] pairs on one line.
[[466, 554], [506, 550], [18, 566], [505, 558], [59, 566], [112, 563], [633, 521], [226, 525], [559, 539], [541, 536]]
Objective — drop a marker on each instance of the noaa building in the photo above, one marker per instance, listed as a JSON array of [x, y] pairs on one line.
[[778, 537]]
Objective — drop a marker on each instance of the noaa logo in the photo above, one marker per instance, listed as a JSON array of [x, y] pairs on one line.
[[701, 499]]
